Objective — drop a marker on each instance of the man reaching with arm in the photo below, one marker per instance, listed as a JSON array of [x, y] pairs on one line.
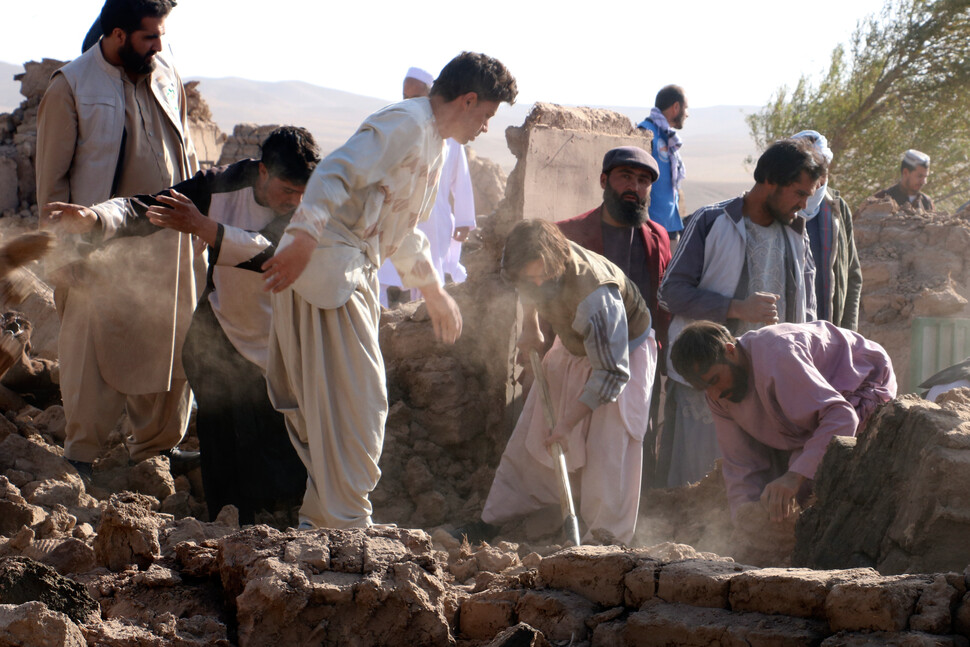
[[778, 395], [362, 205]]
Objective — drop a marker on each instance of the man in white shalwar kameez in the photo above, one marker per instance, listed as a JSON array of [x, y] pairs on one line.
[[453, 214], [600, 372], [362, 205]]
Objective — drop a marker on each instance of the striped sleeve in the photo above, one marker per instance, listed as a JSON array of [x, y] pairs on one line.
[[601, 319]]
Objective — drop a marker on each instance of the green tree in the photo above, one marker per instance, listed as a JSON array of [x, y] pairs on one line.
[[902, 81]]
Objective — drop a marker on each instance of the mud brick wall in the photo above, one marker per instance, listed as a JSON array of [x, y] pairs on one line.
[[897, 498], [914, 264]]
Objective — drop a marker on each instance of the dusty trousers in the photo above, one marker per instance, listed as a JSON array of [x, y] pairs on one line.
[[247, 458], [156, 421], [326, 375]]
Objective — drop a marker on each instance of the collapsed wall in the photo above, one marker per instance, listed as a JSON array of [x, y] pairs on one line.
[[897, 498], [914, 264]]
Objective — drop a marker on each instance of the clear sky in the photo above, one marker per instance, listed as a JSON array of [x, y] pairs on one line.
[[593, 53]]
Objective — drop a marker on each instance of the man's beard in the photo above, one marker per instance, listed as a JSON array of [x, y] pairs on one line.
[[739, 388], [778, 214], [135, 63], [630, 213]]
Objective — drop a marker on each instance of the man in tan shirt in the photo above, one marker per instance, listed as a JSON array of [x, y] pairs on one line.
[[112, 123]]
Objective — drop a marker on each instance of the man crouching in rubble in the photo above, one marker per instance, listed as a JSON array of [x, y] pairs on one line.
[[239, 211], [778, 395], [600, 372]]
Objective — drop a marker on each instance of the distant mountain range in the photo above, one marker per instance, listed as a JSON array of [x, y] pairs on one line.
[[716, 139]]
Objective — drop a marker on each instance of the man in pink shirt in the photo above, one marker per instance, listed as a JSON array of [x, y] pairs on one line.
[[778, 395]]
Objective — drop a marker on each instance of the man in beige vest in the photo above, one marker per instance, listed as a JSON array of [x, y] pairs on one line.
[[113, 122], [600, 372]]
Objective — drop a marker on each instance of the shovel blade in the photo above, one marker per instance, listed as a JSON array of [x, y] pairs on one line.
[[570, 529]]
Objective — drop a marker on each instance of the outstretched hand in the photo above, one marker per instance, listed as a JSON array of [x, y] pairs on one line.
[[181, 214], [443, 312], [68, 218], [288, 263]]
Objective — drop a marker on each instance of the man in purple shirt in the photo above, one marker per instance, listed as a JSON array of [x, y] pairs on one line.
[[778, 395]]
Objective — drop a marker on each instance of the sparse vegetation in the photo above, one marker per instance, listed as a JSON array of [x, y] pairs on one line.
[[902, 81]]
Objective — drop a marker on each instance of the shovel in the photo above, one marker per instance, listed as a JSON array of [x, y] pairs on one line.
[[569, 522]]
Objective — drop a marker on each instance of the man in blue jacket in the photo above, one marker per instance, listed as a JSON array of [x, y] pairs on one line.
[[666, 117]]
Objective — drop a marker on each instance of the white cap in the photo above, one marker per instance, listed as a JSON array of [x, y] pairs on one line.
[[913, 157], [418, 74]]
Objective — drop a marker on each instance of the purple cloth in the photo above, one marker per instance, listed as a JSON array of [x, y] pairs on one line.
[[808, 383]]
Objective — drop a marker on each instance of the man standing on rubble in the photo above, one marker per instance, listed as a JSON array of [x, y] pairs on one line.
[[838, 273], [113, 122], [362, 205], [745, 263], [667, 117], [453, 214], [600, 373], [239, 211], [913, 172], [621, 230], [778, 395]]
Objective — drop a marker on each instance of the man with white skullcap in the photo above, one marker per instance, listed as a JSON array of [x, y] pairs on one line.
[[913, 171], [453, 215], [838, 274], [417, 83]]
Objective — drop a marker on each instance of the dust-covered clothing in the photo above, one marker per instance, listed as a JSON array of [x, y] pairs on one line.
[[764, 251], [247, 457], [125, 308], [605, 452], [605, 356], [325, 371], [453, 207], [807, 383]]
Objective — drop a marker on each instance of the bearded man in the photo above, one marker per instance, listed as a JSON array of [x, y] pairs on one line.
[[778, 395], [744, 263], [621, 230], [113, 123]]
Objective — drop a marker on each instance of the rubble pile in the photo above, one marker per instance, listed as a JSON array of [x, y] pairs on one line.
[[448, 423], [914, 264], [163, 582], [895, 498]]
